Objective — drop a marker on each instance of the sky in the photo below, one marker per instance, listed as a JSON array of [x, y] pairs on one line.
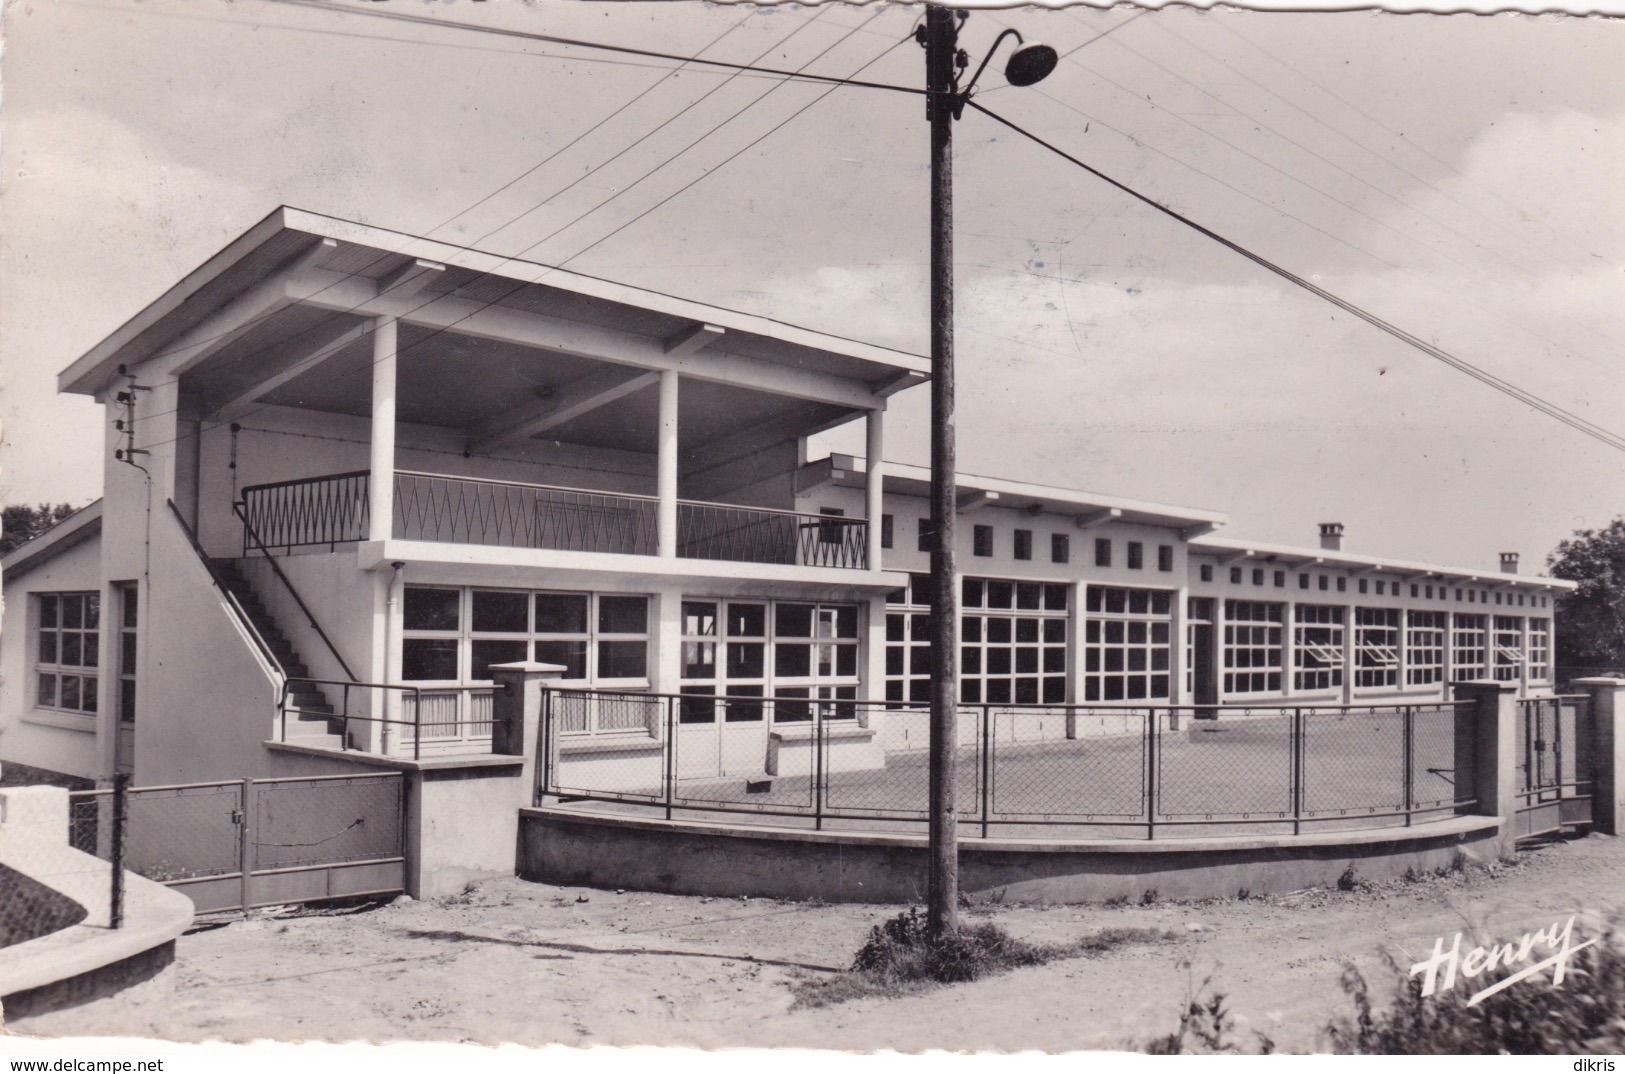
[[1455, 175]]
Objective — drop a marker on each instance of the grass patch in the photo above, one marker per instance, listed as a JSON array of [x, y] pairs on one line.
[[899, 959]]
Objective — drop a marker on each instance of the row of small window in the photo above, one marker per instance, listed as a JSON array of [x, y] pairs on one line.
[[1382, 587], [67, 651], [1254, 632], [1021, 545]]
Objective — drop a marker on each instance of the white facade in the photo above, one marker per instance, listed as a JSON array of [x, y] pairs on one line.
[[450, 460]]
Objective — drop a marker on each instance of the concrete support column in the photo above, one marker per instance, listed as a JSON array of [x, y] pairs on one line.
[[1607, 715], [874, 452], [1349, 663], [666, 467], [516, 713], [873, 657], [1487, 746], [667, 633], [381, 483], [1179, 649]]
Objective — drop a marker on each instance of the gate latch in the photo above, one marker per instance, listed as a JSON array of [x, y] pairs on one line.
[[237, 816]]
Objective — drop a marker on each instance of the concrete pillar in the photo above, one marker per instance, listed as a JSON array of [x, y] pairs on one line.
[[1523, 665], [1178, 649], [1289, 649], [874, 492], [1349, 663], [667, 634], [381, 483], [1607, 712], [1487, 745], [666, 467], [516, 712]]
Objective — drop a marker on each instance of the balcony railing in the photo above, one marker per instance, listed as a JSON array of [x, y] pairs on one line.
[[333, 509]]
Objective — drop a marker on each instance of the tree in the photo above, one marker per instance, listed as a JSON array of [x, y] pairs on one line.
[[1591, 620], [21, 523]]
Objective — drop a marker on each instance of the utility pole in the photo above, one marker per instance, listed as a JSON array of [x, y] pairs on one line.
[[942, 898], [944, 101]]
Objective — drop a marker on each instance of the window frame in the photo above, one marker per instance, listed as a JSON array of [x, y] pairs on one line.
[[85, 675], [1319, 637], [1253, 646]]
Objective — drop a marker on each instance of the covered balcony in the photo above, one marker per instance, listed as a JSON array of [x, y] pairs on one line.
[[335, 384]]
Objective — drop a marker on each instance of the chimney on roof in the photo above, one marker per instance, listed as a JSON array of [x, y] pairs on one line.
[[1331, 536], [1509, 563]]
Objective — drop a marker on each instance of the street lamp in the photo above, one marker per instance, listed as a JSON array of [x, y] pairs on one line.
[[944, 103]]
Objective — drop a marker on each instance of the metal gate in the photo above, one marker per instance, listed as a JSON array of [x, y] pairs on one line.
[[257, 842], [1556, 764]]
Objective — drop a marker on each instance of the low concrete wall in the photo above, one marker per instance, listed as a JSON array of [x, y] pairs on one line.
[[90, 959], [680, 857]]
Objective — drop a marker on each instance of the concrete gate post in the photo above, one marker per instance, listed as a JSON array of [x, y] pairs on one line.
[[463, 809], [516, 712], [1607, 710], [1487, 745]]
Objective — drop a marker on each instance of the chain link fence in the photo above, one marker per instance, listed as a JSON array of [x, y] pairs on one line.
[[1120, 770]]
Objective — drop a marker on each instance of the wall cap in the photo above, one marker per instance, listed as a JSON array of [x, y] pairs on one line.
[[530, 667], [1458, 827]]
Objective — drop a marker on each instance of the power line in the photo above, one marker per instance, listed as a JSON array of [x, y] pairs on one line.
[[1397, 134], [1424, 280], [399, 16], [520, 285], [336, 315], [1580, 424]]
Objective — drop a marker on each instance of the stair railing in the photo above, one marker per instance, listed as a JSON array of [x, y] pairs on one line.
[[242, 513], [237, 608]]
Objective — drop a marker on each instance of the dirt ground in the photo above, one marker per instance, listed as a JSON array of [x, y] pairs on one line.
[[534, 964]]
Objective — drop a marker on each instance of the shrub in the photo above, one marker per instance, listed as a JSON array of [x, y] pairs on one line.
[[1586, 1015], [899, 957]]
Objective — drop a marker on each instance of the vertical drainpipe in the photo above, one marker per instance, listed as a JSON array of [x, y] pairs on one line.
[[392, 648]]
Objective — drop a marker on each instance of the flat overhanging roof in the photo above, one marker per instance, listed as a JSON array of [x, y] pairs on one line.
[[905, 479], [1293, 556], [345, 252]]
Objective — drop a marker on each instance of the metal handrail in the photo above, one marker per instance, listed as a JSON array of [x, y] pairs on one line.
[[238, 610], [416, 723], [520, 484], [242, 513], [304, 481]]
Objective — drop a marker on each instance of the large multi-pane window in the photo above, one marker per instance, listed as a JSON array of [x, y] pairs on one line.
[[454, 634], [908, 642], [66, 653], [1013, 642], [745, 650], [1424, 647], [1317, 647], [1252, 646], [1508, 647], [1127, 644], [1376, 647], [1469, 647], [1540, 650]]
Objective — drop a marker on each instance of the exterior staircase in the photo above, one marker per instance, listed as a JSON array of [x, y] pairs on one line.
[[311, 719]]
